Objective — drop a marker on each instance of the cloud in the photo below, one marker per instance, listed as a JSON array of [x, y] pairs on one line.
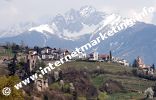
[[154, 18], [8, 0]]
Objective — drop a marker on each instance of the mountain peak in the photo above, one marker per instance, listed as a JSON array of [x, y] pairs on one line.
[[86, 11]]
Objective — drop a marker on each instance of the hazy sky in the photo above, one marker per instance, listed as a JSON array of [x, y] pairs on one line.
[[17, 11]]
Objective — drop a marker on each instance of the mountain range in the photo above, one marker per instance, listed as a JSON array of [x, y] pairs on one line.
[[76, 27]]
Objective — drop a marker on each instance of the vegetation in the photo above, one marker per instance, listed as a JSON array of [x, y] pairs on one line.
[[103, 96], [7, 52], [135, 86], [10, 82]]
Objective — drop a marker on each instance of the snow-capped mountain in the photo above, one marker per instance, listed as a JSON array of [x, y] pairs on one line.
[[72, 25], [16, 29], [77, 27]]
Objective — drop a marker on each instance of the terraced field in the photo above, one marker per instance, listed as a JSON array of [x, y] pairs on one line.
[[122, 74]]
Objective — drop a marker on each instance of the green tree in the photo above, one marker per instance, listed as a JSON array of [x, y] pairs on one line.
[[134, 64], [103, 96], [39, 64], [10, 82], [110, 56]]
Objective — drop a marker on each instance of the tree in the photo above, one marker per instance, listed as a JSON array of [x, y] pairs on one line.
[[12, 65], [10, 82], [36, 48], [153, 67], [8, 45], [22, 44], [135, 63], [39, 64], [110, 56]]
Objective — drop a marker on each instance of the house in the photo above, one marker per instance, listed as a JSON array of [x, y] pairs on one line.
[[60, 53], [49, 54], [148, 71], [46, 50], [53, 53], [47, 57], [46, 53], [123, 62], [65, 52], [94, 56], [120, 61], [104, 57], [81, 56]]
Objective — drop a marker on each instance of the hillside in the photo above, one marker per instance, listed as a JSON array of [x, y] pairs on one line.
[[132, 87], [91, 80]]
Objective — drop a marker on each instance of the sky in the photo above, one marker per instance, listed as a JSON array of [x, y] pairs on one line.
[[19, 11]]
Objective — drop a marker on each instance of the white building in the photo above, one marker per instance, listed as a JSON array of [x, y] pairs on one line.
[[82, 55], [95, 56]]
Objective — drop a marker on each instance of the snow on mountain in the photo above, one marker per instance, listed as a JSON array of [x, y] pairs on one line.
[[86, 11], [16, 29], [110, 19], [77, 35], [42, 28], [80, 26], [73, 24]]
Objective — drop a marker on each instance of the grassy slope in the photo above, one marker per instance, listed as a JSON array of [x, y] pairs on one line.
[[130, 82]]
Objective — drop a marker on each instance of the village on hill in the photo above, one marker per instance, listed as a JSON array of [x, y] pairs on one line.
[[89, 76]]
